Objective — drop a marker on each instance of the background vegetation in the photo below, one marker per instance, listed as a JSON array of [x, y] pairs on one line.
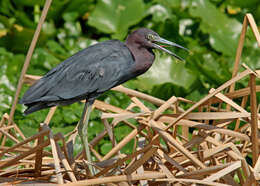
[[209, 28]]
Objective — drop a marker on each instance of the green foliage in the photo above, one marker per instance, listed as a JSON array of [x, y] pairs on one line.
[[168, 70], [116, 16], [223, 31], [209, 28]]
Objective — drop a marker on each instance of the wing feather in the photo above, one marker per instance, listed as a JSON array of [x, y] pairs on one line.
[[85, 75]]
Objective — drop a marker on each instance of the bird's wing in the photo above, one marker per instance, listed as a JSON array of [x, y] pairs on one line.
[[85, 75]]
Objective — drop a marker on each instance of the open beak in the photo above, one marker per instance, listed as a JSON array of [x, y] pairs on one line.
[[156, 44]]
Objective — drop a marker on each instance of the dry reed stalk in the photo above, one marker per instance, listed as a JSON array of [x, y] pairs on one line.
[[223, 172], [56, 158], [27, 153], [6, 134], [214, 115], [233, 95], [140, 95], [28, 57], [254, 120], [250, 181], [164, 107], [243, 104], [39, 155], [254, 27], [222, 87], [172, 161], [102, 106], [210, 128], [109, 132], [50, 115], [203, 172], [19, 132], [229, 102], [239, 52], [182, 161], [119, 178], [65, 163], [233, 155], [19, 149], [4, 119], [11, 172], [159, 127], [41, 133], [163, 168], [140, 104], [121, 117], [121, 144], [257, 168], [140, 170], [119, 162], [187, 181], [30, 79], [141, 161]]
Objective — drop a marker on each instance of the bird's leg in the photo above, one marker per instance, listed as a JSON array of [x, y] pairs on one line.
[[83, 133]]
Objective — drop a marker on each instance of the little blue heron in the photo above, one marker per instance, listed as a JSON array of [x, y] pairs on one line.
[[94, 70]]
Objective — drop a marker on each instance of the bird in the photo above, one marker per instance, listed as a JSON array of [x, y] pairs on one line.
[[94, 70]]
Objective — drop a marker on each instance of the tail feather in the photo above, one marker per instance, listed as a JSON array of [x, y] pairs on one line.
[[35, 107]]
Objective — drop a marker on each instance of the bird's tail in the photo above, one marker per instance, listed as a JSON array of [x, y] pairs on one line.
[[35, 107]]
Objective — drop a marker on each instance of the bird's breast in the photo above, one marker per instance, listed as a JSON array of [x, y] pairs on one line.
[[143, 62]]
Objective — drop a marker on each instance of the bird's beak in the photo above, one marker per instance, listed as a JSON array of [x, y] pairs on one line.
[[158, 40]]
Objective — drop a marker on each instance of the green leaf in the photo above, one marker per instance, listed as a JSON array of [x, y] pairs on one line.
[[213, 71], [79, 6], [70, 16], [28, 131], [56, 10], [24, 19], [42, 61], [29, 2], [6, 7], [223, 31], [159, 13], [167, 70], [71, 113], [49, 28], [195, 96], [251, 55], [127, 149], [10, 65], [56, 48], [105, 148], [169, 3], [63, 130], [19, 38], [6, 22], [115, 17], [95, 127], [121, 132], [244, 4]]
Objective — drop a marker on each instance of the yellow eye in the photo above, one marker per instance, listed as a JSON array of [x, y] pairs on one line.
[[150, 37]]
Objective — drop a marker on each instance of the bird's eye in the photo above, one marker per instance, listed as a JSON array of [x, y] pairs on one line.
[[150, 37]]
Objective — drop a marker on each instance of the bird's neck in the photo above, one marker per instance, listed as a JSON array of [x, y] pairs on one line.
[[143, 57]]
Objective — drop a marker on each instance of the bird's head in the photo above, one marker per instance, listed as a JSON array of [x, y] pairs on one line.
[[147, 38]]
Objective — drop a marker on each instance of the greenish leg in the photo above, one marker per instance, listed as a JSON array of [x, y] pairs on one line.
[[83, 133]]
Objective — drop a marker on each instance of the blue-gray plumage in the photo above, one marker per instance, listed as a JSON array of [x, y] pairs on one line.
[[85, 75], [92, 71]]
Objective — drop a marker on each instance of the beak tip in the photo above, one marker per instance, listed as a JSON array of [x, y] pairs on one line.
[[164, 41]]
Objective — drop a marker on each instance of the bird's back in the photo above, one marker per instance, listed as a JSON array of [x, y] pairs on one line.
[[85, 75]]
